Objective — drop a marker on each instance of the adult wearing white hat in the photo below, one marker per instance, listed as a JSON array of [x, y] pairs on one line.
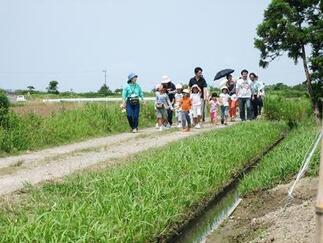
[[131, 96], [170, 90]]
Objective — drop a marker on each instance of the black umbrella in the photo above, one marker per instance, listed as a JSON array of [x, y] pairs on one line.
[[223, 73]]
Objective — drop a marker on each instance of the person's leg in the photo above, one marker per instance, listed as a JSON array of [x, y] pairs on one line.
[[230, 108], [254, 107], [259, 105], [136, 111], [183, 118], [129, 114], [234, 108], [188, 119], [170, 116], [199, 116], [248, 105], [242, 102], [212, 117], [226, 111], [203, 110], [222, 113]]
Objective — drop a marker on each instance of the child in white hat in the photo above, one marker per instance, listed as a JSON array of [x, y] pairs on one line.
[[178, 97], [196, 105], [162, 103], [224, 103]]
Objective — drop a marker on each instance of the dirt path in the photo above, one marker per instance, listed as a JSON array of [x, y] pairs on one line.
[[263, 217], [57, 162]]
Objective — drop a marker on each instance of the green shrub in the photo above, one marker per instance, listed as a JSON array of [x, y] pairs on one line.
[[293, 111], [4, 108]]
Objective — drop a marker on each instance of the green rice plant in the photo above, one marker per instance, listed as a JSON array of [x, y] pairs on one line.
[[140, 201], [35, 132], [283, 162], [292, 111]]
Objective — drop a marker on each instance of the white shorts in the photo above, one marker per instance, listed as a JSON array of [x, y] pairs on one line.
[[196, 111]]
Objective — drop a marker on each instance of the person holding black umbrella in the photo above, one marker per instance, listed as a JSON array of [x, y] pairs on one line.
[[199, 80]]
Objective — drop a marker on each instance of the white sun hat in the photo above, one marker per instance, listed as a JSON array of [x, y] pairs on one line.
[[165, 79], [179, 86]]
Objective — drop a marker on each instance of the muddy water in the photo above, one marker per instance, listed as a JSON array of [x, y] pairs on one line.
[[211, 219]]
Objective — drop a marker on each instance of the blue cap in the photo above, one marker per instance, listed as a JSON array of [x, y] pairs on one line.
[[131, 76]]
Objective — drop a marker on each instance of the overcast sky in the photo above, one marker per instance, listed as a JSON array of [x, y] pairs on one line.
[[72, 41]]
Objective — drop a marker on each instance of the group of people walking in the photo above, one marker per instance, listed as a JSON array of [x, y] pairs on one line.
[[189, 102]]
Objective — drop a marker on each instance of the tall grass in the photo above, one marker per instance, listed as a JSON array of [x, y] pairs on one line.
[[293, 111], [284, 161], [141, 201], [33, 131]]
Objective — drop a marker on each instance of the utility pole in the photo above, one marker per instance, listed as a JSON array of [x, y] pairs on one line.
[[105, 76]]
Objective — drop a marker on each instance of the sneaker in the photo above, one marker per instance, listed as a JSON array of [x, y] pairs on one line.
[[179, 126], [157, 125], [198, 126], [168, 126], [161, 128], [134, 130]]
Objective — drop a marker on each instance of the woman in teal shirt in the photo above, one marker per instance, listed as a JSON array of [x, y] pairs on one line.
[[131, 95]]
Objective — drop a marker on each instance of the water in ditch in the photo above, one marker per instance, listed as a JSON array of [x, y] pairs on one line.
[[211, 219]]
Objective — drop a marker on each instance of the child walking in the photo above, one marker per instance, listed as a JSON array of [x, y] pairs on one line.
[[214, 108], [196, 105], [178, 97], [186, 106], [162, 103], [224, 102]]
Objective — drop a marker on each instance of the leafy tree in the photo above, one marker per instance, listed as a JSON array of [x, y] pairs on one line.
[[291, 26], [118, 91], [53, 87], [105, 90], [4, 107]]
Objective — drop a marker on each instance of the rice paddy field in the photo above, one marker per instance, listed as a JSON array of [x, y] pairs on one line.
[[142, 201], [153, 194]]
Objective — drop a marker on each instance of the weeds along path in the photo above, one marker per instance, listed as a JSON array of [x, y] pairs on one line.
[[57, 162]]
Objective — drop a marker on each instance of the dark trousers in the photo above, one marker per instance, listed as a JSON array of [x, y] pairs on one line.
[[186, 120], [244, 103], [170, 116], [254, 105], [133, 115], [260, 105], [203, 110]]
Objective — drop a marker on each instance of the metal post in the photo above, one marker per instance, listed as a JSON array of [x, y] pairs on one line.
[[319, 203], [105, 76]]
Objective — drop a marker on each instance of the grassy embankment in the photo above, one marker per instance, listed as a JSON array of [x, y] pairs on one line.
[[33, 131], [284, 161], [142, 200]]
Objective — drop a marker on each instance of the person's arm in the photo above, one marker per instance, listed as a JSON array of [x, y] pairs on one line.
[[206, 93], [169, 103], [237, 88], [141, 94], [205, 90], [124, 96]]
